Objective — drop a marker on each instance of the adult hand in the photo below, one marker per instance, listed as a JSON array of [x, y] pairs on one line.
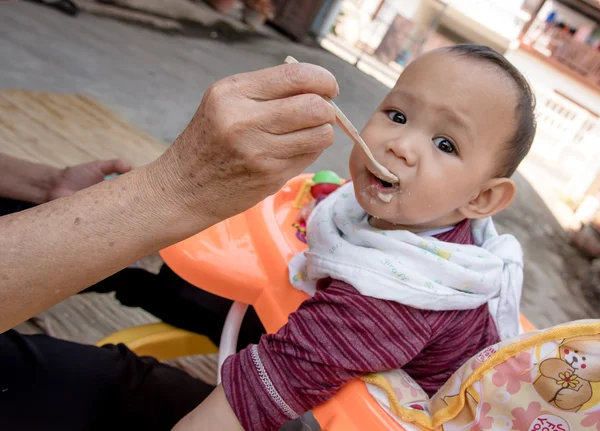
[[72, 179], [251, 133]]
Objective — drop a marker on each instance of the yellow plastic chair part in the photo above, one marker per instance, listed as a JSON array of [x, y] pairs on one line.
[[161, 341]]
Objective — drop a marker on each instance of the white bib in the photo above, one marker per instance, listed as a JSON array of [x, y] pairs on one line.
[[418, 271]]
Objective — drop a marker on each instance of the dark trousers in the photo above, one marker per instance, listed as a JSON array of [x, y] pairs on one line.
[[51, 384], [176, 302]]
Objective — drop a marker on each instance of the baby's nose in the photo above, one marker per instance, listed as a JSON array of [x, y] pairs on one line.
[[575, 359], [406, 150]]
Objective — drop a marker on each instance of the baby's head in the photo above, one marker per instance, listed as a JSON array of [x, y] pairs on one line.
[[453, 130]]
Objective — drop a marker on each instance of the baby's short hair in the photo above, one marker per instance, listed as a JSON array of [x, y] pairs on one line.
[[520, 143]]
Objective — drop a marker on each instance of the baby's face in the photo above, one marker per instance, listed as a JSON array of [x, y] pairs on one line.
[[442, 131]]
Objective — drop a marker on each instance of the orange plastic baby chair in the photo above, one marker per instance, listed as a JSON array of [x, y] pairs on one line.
[[245, 259]]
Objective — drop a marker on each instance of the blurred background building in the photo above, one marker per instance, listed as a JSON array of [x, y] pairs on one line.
[[556, 44]]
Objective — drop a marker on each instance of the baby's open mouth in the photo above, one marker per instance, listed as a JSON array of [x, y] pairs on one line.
[[382, 184], [385, 183], [383, 189]]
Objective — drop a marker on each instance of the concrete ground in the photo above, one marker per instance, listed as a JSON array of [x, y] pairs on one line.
[[155, 79]]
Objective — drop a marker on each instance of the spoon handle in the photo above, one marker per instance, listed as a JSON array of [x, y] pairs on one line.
[[351, 131]]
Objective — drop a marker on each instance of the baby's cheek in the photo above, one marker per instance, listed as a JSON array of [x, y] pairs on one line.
[[403, 211], [355, 163], [417, 211]]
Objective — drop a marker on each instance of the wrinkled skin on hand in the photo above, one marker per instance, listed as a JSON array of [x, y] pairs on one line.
[[251, 133]]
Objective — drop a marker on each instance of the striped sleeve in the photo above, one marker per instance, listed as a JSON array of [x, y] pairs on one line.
[[333, 338]]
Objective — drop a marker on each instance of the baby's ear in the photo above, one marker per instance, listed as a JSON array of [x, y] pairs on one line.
[[496, 195]]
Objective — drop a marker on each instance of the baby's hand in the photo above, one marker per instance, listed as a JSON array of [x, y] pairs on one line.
[[305, 212]]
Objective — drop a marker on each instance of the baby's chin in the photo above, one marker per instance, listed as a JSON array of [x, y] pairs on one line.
[[387, 213]]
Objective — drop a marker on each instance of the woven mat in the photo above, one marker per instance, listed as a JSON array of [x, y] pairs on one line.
[[67, 129]]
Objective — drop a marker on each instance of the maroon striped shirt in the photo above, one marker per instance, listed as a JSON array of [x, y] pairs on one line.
[[339, 335]]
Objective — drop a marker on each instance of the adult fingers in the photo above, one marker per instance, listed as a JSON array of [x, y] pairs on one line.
[[61, 193], [115, 166], [294, 166], [285, 80], [301, 142], [295, 113]]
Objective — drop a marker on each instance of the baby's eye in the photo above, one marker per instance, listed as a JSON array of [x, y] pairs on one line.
[[396, 116], [445, 145]]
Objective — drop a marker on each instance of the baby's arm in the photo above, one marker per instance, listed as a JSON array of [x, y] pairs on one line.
[[305, 212], [214, 414], [333, 338]]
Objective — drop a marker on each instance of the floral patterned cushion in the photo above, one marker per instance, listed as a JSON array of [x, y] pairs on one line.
[[538, 381]]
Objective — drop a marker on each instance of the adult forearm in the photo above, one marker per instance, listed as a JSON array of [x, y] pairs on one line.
[[25, 181], [57, 249], [250, 134]]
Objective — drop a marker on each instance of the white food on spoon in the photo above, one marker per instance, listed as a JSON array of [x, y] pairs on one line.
[[351, 131]]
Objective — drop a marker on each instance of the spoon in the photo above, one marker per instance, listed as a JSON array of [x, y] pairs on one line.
[[345, 124]]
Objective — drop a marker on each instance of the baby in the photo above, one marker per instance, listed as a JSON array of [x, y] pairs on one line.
[[410, 275]]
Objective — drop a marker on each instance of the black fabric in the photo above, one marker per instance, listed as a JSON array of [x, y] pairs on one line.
[[9, 206], [51, 384], [178, 303], [64, 6]]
